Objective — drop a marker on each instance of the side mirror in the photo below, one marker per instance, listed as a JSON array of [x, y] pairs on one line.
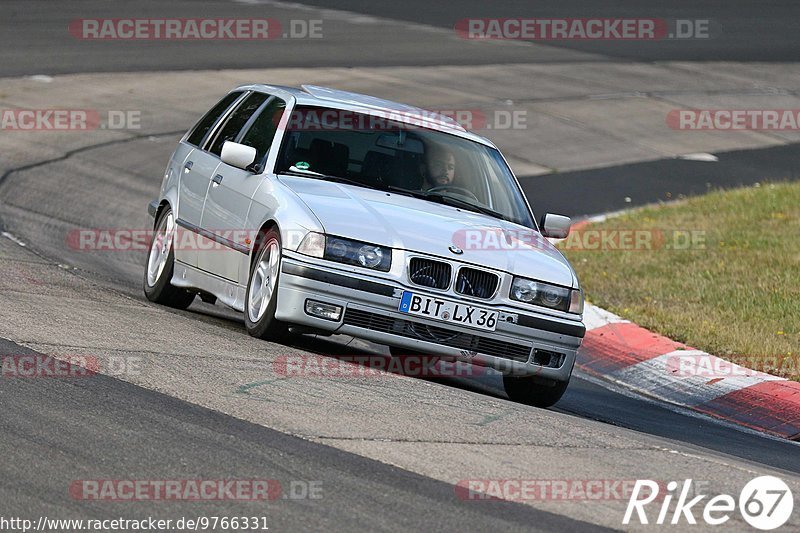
[[555, 226], [238, 155]]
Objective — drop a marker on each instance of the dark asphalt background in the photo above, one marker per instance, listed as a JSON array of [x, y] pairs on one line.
[[740, 30], [33, 36], [600, 190]]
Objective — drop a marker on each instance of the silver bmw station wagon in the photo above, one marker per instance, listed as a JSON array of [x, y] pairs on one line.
[[318, 210]]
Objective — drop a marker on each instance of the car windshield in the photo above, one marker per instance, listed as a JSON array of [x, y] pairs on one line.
[[375, 152]]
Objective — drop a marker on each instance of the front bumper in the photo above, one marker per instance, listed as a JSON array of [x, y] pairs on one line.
[[522, 344]]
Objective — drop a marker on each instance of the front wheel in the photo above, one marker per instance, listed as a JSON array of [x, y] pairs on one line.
[[161, 263], [261, 299], [533, 391]]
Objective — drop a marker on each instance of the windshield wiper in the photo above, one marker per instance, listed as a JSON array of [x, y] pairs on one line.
[[458, 202], [294, 171], [409, 192], [449, 200]]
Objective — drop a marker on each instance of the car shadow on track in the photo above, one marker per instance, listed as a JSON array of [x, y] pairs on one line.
[[371, 357]]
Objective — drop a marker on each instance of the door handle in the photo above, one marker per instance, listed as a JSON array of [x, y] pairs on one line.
[[188, 166], [216, 180]]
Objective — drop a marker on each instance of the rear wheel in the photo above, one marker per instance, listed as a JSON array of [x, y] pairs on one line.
[[160, 265], [534, 391], [261, 299]]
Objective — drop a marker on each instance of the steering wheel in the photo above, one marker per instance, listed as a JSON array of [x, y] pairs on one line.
[[461, 191]]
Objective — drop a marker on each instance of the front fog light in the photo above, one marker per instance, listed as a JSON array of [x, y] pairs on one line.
[[323, 310]]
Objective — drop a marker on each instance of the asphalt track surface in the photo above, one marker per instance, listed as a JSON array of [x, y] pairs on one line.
[[67, 428], [739, 30], [184, 441], [33, 39], [608, 189]]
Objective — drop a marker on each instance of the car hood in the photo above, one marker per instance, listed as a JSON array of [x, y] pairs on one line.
[[416, 225]]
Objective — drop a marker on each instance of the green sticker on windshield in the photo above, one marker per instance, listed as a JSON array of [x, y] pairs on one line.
[[302, 165]]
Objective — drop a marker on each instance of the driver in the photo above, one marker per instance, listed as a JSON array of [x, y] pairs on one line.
[[439, 168]]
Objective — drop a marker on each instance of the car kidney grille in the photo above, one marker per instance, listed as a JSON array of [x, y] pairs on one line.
[[428, 273], [476, 283], [438, 335]]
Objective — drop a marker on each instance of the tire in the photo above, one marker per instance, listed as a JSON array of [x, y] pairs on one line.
[[260, 304], [160, 265], [533, 391]]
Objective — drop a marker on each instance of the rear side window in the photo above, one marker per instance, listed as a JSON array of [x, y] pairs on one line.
[[262, 131], [237, 120], [210, 118]]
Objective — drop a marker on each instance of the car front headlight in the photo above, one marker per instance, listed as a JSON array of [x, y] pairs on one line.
[[551, 296], [346, 251]]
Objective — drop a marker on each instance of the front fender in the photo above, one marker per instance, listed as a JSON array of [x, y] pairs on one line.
[[275, 202]]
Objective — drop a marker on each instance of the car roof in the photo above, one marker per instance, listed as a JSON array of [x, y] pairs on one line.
[[370, 105]]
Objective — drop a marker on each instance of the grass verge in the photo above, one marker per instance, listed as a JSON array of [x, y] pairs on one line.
[[719, 272]]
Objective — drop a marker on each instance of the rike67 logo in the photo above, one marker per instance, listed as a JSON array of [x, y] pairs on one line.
[[765, 503]]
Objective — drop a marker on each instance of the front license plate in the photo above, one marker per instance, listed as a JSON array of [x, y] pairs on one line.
[[448, 311]]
